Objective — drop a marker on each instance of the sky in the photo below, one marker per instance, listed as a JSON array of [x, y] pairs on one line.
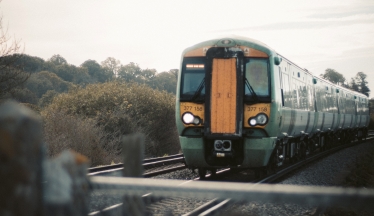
[[316, 35]]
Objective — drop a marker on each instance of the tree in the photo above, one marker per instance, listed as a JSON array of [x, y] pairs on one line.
[[31, 64], [353, 85], [11, 74], [96, 72], [165, 81], [333, 76], [362, 83], [130, 72], [58, 60], [111, 66], [41, 82], [58, 65], [148, 74], [175, 73], [47, 98]]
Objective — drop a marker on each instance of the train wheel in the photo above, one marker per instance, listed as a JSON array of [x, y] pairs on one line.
[[311, 146], [202, 173], [360, 135], [303, 149]]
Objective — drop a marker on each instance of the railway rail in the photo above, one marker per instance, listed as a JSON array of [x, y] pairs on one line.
[[215, 205], [148, 164]]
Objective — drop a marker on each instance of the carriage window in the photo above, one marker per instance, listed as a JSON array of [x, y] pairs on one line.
[[193, 75], [257, 74]]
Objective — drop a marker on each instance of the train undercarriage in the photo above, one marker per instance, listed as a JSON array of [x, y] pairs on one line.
[[287, 150]]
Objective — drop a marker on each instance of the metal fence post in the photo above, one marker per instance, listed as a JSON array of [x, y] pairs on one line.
[[133, 154], [21, 155]]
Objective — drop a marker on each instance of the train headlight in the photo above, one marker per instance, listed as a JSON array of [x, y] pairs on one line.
[[260, 119], [188, 118], [196, 120], [252, 122]]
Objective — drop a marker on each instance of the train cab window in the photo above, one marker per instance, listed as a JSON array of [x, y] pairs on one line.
[[257, 75], [193, 79]]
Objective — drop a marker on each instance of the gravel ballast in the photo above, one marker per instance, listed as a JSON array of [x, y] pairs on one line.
[[329, 171]]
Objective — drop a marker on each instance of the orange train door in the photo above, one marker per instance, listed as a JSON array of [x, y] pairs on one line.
[[223, 96]]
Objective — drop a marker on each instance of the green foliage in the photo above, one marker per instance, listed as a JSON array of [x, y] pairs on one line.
[[353, 85], [30, 64], [130, 72], [62, 131], [11, 74], [360, 84], [165, 81], [41, 82], [57, 60], [97, 73], [72, 73], [126, 108], [24, 95], [111, 66], [333, 76], [47, 98]]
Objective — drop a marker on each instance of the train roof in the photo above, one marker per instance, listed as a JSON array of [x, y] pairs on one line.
[[236, 41], [245, 41]]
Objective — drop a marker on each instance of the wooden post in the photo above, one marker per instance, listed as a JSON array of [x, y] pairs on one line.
[[21, 156], [133, 154], [66, 185]]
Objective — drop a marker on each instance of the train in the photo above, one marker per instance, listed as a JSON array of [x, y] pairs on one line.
[[242, 105]]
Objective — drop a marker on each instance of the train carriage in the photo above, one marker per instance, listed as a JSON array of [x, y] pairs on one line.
[[240, 104]]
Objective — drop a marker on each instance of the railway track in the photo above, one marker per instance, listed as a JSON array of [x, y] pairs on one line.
[[148, 164], [216, 205], [213, 206]]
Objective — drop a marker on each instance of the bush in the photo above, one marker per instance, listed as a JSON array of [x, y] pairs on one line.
[[62, 131], [122, 108], [41, 82]]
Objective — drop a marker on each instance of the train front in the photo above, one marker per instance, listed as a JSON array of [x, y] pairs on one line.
[[224, 104]]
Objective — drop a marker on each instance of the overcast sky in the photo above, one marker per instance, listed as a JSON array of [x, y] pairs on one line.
[[316, 35]]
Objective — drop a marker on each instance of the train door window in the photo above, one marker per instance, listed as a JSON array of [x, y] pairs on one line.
[[280, 78], [257, 75], [304, 92], [295, 97], [193, 79], [341, 103], [300, 94], [310, 98], [281, 84], [286, 90]]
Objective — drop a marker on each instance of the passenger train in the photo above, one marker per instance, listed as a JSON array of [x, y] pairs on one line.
[[240, 104]]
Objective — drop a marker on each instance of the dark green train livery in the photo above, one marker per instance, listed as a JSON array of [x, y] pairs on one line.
[[240, 104]]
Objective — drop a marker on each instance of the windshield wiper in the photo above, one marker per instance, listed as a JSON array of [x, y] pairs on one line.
[[253, 93], [198, 90]]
